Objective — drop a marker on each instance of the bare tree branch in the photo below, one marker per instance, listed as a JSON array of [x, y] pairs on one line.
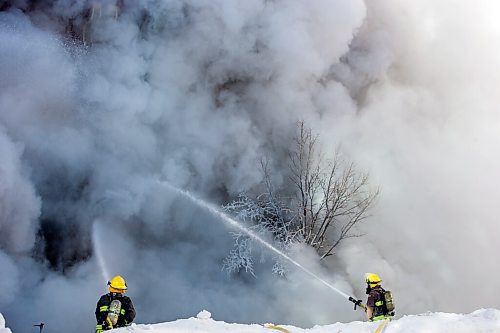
[[331, 198]]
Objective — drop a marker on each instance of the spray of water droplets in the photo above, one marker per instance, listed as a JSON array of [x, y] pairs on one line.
[[227, 219], [98, 250]]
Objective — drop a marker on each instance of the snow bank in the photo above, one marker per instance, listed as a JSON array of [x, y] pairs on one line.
[[480, 321], [2, 325]]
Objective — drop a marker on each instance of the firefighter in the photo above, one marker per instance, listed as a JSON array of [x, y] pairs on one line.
[[114, 309], [379, 305]]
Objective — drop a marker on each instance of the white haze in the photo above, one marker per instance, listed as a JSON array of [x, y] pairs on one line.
[[408, 89]]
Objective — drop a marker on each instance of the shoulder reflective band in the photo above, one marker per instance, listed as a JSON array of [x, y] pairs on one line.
[[103, 308]]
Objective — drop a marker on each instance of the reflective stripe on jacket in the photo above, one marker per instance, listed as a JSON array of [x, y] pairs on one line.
[[127, 312]]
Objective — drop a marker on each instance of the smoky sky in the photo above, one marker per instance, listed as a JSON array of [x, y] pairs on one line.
[[101, 102]]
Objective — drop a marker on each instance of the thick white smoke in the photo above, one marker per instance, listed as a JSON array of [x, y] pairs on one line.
[[428, 130], [195, 93], [19, 207]]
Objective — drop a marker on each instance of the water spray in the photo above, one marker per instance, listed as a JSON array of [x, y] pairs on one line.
[[98, 250], [226, 218]]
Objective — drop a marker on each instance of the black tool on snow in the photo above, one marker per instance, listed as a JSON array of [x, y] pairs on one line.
[[40, 326]]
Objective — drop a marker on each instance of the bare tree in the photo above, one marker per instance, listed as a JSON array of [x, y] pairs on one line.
[[329, 198], [332, 196]]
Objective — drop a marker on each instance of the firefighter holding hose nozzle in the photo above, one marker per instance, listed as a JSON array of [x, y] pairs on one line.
[[379, 305]]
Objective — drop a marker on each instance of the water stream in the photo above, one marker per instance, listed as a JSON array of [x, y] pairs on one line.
[[227, 219], [96, 242]]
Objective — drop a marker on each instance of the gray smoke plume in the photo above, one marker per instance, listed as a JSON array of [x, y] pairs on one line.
[[101, 101]]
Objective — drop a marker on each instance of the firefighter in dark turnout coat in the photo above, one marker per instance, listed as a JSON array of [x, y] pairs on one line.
[[376, 307], [126, 312]]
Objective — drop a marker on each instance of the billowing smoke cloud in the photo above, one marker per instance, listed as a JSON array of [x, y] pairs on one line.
[[20, 207], [428, 130], [100, 104]]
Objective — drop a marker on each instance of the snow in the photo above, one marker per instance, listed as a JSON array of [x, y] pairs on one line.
[[486, 320], [480, 321], [2, 325], [204, 315]]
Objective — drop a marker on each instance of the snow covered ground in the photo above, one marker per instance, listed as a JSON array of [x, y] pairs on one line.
[[480, 321]]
